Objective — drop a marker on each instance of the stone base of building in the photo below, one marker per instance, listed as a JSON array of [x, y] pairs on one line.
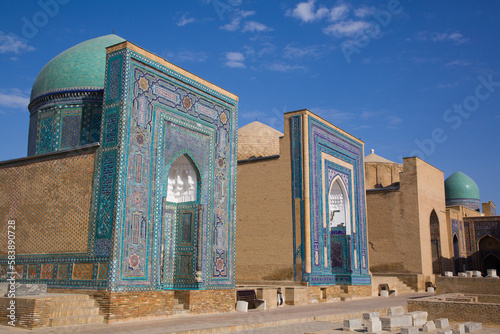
[[149, 305], [416, 282], [306, 295]]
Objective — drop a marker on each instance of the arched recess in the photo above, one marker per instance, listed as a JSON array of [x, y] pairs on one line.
[[181, 216], [456, 254], [339, 222], [435, 243], [489, 248], [339, 207]]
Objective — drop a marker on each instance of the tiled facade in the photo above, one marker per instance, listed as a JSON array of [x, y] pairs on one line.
[[96, 217]]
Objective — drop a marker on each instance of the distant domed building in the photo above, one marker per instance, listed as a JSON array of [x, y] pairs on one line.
[[462, 190]]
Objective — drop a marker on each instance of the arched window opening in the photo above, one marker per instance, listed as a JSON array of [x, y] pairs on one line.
[[435, 243], [339, 207], [182, 181]]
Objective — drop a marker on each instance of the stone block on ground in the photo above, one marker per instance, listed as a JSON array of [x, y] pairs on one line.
[[419, 318], [352, 324], [429, 326], [384, 293], [442, 323], [462, 274], [469, 273], [396, 310], [459, 329], [445, 331], [448, 273], [492, 273], [430, 289], [241, 306], [373, 325], [409, 330], [370, 315], [394, 322], [472, 326], [476, 273]]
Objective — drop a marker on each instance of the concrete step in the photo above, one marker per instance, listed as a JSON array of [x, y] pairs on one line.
[[64, 304], [180, 307], [77, 320], [403, 288], [73, 312]]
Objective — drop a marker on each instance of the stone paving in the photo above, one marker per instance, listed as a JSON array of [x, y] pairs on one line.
[[320, 318]]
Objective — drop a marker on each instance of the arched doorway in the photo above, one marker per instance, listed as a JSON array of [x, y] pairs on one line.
[[180, 251], [489, 248], [339, 218], [456, 254], [435, 243]]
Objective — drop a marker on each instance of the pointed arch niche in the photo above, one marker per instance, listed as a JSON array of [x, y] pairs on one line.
[[181, 251], [182, 184], [339, 207]]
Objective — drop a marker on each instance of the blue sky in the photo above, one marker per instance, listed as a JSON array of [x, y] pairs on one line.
[[407, 77]]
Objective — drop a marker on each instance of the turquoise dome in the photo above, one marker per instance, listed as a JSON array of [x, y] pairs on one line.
[[460, 186], [79, 67]]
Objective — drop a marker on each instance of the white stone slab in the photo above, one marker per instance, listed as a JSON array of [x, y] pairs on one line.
[[448, 273], [445, 331], [462, 274], [396, 310], [409, 330], [419, 318], [429, 326], [430, 289], [469, 273], [352, 324], [476, 273], [442, 323], [394, 322], [370, 315], [384, 293], [472, 326], [459, 329], [241, 306], [373, 324], [492, 273]]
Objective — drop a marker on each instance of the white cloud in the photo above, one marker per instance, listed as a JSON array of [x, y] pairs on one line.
[[293, 52], [364, 11], [394, 120], [455, 37], [185, 20], [346, 28], [14, 98], [235, 60], [11, 43], [339, 12], [283, 67], [252, 26], [457, 62], [239, 15], [306, 11], [187, 56]]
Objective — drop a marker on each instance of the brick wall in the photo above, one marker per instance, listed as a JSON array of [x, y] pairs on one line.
[[212, 301], [486, 313], [475, 285]]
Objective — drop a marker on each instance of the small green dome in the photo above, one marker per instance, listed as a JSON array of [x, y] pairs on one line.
[[460, 186], [79, 67]]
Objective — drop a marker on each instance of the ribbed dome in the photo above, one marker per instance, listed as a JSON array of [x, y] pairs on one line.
[[460, 186], [79, 67], [257, 140]]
